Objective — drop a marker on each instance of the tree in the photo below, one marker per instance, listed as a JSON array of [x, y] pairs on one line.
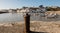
[[41, 6]]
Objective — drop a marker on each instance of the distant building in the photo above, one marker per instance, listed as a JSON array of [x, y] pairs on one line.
[[24, 9], [33, 9], [18, 10], [52, 6], [12, 11], [4, 11]]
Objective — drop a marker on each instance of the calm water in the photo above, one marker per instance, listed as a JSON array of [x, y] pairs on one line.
[[14, 17], [9, 17], [17, 17]]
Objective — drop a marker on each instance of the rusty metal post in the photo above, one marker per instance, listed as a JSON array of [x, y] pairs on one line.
[[27, 23]]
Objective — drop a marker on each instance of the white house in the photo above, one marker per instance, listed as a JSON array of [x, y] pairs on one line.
[[24, 10], [34, 9], [12, 11]]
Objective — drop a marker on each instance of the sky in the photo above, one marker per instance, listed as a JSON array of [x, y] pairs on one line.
[[7, 4]]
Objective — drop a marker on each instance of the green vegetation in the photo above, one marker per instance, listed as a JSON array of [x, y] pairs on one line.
[[53, 9]]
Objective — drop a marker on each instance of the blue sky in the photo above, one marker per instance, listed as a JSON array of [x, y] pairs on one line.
[[6, 4]]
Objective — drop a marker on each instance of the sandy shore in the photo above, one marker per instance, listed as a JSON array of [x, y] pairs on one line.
[[36, 26], [49, 27]]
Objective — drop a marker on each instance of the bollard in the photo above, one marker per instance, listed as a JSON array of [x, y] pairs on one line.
[[27, 23]]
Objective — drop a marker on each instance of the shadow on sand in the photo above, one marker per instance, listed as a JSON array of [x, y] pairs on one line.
[[37, 32]]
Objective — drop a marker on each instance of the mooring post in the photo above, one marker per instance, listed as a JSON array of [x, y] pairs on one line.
[[27, 23]]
